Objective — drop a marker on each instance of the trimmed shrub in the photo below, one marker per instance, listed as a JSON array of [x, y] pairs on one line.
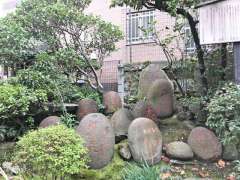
[[224, 113], [56, 151]]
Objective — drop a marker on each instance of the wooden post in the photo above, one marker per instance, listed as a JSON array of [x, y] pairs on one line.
[[237, 61]]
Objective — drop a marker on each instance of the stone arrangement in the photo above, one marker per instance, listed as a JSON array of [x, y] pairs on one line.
[[50, 121], [149, 127], [160, 96], [112, 102], [120, 121], [150, 74], [85, 107], [205, 144], [144, 109], [145, 141], [98, 134]]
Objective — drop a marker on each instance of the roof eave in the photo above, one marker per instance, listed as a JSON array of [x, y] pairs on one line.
[[208, 3]]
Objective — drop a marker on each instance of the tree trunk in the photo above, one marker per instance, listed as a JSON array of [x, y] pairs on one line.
[[223, 60], [200, 53]]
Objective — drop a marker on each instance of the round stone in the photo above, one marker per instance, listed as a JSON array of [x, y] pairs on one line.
[[161, 98], [179, 150], [230, 152], [205, 144], [112, 101], [149, 75], [120, 121], [85, 107], [98, 135], [50, 121], [145, 141], [124, 152], [144, 109]]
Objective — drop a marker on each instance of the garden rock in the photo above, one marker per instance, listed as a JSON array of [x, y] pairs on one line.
[[85, 107], [161, 97], [112, 101], [230, 152], [144, 109], [179, 150], [205, 144], [10, 168], [149, 75], [145, 141], [124, 152], [120, 121], [98, 134], [50, 121]]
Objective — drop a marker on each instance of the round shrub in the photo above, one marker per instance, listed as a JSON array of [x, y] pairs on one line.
[[224, 113], [56, 151]]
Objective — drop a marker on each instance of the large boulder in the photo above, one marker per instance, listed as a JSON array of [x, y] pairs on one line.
[[144, 109], [50, 121], [149, 75], [98, 135], [179, 150], [145, 141], [85, 107], [205, 144], [112, 101], [120, 121], [161, 97]]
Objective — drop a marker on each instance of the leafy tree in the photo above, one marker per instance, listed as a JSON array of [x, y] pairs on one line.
[[61, 30], [175, 8]]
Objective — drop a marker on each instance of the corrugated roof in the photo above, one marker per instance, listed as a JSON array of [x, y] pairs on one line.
[[208, 2]]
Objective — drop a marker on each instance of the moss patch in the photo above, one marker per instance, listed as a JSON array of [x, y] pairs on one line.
[[110, 172]]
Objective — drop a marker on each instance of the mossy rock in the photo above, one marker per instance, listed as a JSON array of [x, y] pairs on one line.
[[111, 172]]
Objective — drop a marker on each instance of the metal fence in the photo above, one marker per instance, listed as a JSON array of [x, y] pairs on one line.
[[109, 75]]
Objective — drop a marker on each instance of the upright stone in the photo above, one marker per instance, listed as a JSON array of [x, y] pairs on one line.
[[50, 121], [161, 97], [205, 144], [98, 134], [120, 121], [85, 107], [144, 109], [150, 74], [145, 141], [112, 101]]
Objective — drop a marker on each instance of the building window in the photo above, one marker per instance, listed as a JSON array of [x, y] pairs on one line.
[[189, 41], [140, 26]]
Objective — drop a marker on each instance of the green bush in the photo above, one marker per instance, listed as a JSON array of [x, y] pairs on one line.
[[224, 113], [17, 102], [56, 151]]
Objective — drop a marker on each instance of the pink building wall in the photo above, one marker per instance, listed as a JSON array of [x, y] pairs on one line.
[[140, 52]]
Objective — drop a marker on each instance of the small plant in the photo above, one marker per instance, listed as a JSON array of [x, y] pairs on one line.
[[144, 172], [69, 120], [55, 152], [224, 113]]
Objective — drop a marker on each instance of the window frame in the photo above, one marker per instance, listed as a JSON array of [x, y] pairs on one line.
[[138, 36]]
